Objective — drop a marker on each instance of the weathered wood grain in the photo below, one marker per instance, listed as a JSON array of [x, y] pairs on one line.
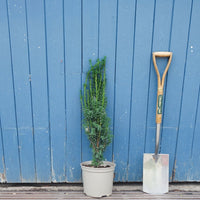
[[45, 47], [80, 195]]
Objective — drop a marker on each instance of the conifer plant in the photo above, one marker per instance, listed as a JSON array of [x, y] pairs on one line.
[[95, 120]]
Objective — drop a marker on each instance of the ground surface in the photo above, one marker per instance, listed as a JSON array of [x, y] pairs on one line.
[[79, 195], [130, 191]]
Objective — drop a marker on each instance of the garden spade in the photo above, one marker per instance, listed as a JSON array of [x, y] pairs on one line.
[[156, 166]]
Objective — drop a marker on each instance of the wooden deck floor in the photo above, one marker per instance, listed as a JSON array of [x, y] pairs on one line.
[[75, 191], [120, 195]]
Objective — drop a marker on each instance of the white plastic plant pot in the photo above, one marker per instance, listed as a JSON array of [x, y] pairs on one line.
[[98, 182]]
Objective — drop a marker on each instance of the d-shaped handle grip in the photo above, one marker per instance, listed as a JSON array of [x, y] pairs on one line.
[[162, 54], [160, 83]]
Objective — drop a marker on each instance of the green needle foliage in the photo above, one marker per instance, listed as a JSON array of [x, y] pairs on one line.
[[94, 102]]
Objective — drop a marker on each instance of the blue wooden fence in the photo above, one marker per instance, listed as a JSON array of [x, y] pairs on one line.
[[45, 46]]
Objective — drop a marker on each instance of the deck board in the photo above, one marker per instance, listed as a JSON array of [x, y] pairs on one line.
[[47, 195]]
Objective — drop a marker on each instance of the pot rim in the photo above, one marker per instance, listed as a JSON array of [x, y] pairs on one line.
[[92, 169]]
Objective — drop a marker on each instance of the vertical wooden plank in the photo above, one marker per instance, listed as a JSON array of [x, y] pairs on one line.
[[18, 33], [126, 13], [195, 151], [141, 61], [184, 165], [90, 51], [2, 156], [73, 45], [54, 25], [7, 105], [38, 77], [161, 40], [179, 38], [107, 41]]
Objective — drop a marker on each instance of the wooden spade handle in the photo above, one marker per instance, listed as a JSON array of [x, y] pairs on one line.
[[160, 83], [162, 54]]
